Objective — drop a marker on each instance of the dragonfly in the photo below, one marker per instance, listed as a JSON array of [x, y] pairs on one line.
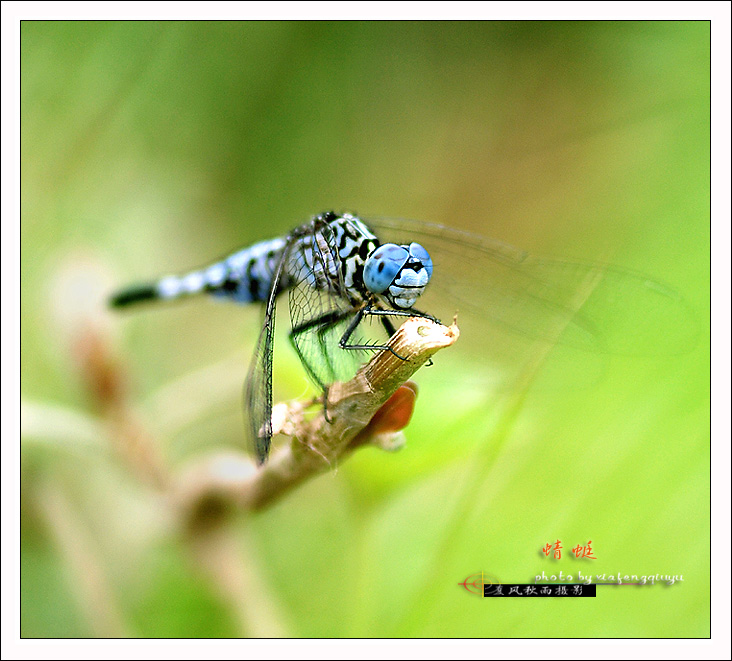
[[347, 286]]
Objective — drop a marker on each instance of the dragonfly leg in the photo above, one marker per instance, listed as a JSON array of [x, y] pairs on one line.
[[369, 311], [424, 315]]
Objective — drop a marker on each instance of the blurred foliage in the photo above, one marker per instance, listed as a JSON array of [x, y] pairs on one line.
[[154, 147]]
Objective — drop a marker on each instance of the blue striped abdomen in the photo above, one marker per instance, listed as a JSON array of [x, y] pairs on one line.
[[243, 277]]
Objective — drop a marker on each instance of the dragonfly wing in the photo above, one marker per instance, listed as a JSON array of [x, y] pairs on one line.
[[596, 307], [258, 393]]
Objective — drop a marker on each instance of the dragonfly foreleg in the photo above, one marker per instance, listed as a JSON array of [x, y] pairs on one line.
[[423, 315]]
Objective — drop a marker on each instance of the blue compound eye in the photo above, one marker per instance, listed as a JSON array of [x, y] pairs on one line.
[[418, 252], [383, 265]]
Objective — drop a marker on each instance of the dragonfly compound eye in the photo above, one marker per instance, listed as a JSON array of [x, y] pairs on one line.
[[417, 252], [383, 265]]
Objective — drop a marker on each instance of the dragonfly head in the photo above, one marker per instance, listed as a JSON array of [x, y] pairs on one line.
[[399, 273]]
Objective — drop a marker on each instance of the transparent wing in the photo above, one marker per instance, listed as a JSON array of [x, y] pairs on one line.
[[596, 307], [320, 312], [258, 394]]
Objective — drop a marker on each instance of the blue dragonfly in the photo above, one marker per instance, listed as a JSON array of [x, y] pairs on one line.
[[341, 272]]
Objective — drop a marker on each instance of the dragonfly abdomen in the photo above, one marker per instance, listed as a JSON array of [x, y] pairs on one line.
[[243, 277]]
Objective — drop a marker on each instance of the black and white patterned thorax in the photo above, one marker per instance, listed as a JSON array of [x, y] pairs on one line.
[[329, 254]]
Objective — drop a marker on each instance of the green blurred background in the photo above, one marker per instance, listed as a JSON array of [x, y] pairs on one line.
[[153, 147]]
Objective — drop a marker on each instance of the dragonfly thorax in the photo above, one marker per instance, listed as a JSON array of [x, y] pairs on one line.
[[399, 273]]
